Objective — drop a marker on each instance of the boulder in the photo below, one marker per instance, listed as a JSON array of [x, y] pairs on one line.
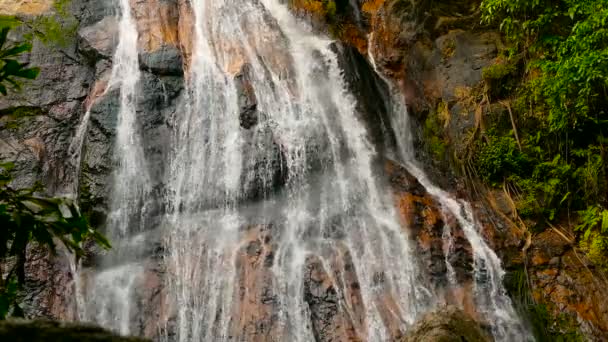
[[50, 331], [446, 325]]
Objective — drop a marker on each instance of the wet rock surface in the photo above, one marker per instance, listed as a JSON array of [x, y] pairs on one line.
[[247, 101]]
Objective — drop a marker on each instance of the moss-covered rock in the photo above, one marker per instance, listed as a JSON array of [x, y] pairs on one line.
[[50, 331], [446, 325]]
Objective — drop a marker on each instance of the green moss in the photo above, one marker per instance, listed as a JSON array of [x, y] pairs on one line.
[[14, 118], [433, 132], [498, 158], [449, 48], [501, 78], [497, 71]]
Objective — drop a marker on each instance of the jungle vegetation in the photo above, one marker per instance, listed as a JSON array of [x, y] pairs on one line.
[[554, 76]]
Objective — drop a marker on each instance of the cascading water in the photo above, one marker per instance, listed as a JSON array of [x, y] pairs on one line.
[[491, 297], [312, 113], [301, 173], [111, 289]]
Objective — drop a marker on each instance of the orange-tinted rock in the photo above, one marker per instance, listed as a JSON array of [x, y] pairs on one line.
[[422, 217], [30, 7], [185, 31], [255, 304], [333, 316], [157, 23], [567, 284]]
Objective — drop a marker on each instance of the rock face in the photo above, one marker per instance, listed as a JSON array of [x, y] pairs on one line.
[[447, 325], [571, 286], [47, 331]]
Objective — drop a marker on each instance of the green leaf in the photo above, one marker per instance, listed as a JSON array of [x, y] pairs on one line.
[[564, 198], [587, 234], [11, 66], [16, 50], [4, 305], [3, 34], [605, 221], [9, 21]]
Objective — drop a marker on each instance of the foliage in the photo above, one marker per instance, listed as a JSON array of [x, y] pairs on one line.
[[11, 70], [27, 218], [594, 229], [57, 28], [557, 64], [500, 158]]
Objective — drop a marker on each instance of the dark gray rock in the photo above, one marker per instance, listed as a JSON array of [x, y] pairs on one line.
[[164, 61], [50, 331], [372, 94], [88, 12], [247, 101], [264, 164]]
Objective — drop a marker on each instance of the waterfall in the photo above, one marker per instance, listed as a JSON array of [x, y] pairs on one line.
[[111, 289], [491, 297], [312, 113], [290, 176]]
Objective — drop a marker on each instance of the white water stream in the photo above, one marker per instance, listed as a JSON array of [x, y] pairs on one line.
[[330, 199], [110, 291]]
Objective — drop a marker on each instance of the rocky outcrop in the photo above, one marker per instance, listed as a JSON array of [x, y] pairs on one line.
[[47, 331], [446, 325], [572, 287]]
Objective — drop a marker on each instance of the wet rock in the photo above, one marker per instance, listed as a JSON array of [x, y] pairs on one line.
[[48, 289], [247, 101], [372, 94], [446, 325], [88, 12], [335, 310], [157, 24], [424, 219], [255, 315], [44, 113], [166, 60], [49, 331], [264, 168]]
